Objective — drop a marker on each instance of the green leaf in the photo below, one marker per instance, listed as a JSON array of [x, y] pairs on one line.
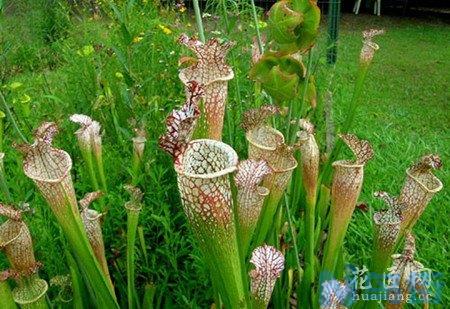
[[307, 33], [282, 22], [279, 76], [280, 85], [294, 25]]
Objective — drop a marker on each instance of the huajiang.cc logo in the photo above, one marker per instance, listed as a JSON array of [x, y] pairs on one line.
[[360, 285]]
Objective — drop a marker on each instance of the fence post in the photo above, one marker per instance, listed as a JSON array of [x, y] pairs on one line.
[[334, 13]]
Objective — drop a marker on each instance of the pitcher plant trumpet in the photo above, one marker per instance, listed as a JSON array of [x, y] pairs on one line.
[[369, 47], [133, 207], [91, 222], [138, 153], [210, 70], [345, 189], [203, 168], [180, 124], [90, 143], [419, 188], [267, 143], [269, 264], [407, 275], [16, 242], [250, 197], [387, 232], [310, 158], [333, 294], [49, 168]]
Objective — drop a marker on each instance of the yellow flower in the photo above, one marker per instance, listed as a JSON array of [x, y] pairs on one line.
[[86, 50], [25, 98], [182, 9], [15, 85], [137, 39], [165, 29], [119, 75], [262, 24]]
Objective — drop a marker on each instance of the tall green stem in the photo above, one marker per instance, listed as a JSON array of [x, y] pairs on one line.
[[2, 115], [149, 295], [132, 222], [198, 19], [258, 33], [354, 104], [11, 118], [310, 229], [4, 184], [230, 118], [241, 245], [101, 171], [332, 247], [381, 258], [348, 122], [302, 102], [135, 169], [267, 218], [294, 241], [100, 288], [309, 276], [78, 287], [88, 159]]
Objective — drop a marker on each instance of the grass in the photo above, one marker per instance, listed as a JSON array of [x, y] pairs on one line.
[[404, 115], [67, 65]]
